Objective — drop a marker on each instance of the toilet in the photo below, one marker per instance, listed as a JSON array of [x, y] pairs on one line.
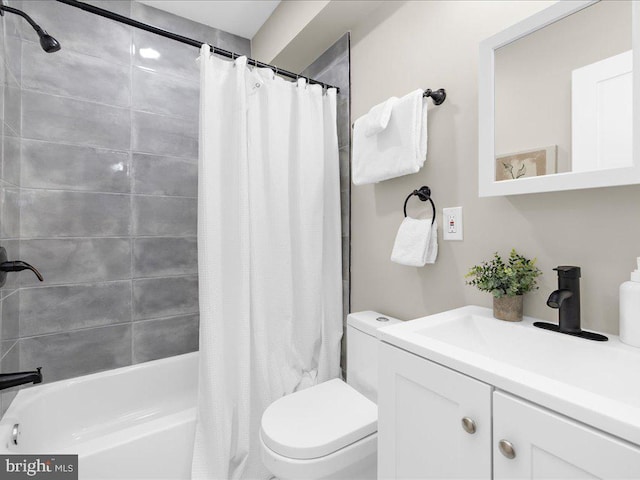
[[329, 431]]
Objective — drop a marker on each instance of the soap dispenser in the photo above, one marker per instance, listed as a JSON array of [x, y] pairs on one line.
[[630, 309]]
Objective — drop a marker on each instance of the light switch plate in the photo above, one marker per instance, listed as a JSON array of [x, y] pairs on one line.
[[452, 219]]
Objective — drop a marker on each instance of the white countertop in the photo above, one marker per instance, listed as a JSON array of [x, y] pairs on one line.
[[597, 383]]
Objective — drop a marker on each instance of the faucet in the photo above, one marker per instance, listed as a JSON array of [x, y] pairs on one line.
[[8, 380], [14, 266], [567, 300]]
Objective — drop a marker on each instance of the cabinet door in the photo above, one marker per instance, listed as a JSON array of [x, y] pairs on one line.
[[420, 409], [550, 446]]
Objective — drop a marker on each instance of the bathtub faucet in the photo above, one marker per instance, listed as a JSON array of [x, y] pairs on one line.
[[8, 380]]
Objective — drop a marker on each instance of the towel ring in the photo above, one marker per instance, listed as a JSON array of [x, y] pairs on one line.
[[424, 194]]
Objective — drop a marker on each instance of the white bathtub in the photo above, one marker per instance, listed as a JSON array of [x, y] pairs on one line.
[[135, 422]]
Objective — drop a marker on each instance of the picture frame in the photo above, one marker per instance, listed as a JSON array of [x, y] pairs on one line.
[[526, 164]]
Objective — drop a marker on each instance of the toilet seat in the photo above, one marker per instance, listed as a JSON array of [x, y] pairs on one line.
[[318, 421], [361, 454]]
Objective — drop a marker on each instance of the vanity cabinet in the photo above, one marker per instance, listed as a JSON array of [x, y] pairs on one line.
[[420, 410], [434, 422], [548, 445]]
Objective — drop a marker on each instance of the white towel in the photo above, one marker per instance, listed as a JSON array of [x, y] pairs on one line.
[[416, 242], [399, 149], [432, 249], [378, 117]]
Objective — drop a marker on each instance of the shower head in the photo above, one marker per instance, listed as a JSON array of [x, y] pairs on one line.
[[47, 42]]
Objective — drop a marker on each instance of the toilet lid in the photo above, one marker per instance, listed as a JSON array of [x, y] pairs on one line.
[[318, 421]]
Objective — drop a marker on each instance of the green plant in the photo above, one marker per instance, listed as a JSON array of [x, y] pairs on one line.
[[515, 277]]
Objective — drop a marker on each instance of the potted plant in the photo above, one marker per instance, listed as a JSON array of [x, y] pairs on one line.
[[507, 282]]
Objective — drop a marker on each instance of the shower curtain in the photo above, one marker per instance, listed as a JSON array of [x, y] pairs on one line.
[[269, 255]]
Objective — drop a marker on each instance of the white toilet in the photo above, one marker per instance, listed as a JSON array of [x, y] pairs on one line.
[[329, 431]]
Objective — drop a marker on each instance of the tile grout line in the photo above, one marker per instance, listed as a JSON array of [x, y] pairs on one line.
[[102, 104], [4, 61], [9, 295], [109, 237], [15, 342], [107, 149], [92, 192], [9, 69], [106, 325], [102, 147], [132, 173], [93, 283], [15, 134], [20, 190]]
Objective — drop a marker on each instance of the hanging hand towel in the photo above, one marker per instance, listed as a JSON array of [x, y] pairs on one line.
[[378, 117], [432, 249], [416, 242], [399, 149]]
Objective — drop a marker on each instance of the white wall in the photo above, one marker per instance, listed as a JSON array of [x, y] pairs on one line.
[[299, 31], [286, 21], [406, 45]]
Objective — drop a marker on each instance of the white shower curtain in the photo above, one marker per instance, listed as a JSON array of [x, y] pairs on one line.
[[269, 255]]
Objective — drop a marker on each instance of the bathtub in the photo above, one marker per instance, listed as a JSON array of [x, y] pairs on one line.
[[135, 422]]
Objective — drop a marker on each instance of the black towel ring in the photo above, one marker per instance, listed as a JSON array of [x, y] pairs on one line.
[[424, 194]]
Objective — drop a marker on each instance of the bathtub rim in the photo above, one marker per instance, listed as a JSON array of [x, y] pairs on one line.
[[27, 396]]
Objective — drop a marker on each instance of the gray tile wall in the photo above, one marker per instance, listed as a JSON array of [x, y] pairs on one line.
[[98, 186], [333, 67], [98, 180], [10, 112]]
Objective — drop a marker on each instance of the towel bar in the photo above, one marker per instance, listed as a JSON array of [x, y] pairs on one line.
[[424, 194], [438, 97]]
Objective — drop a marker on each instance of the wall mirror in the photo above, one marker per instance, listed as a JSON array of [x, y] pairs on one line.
[[557, 106]]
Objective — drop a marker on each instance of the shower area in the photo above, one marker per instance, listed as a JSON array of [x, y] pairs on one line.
[[98, 185]]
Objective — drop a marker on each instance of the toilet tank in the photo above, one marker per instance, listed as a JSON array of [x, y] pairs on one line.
[[362, 351]]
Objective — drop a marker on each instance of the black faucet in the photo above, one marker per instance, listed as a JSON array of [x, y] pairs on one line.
[[14, 266], [8, 380], [567, 300]]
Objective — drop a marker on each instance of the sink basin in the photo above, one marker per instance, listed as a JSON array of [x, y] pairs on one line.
[[562, 372]]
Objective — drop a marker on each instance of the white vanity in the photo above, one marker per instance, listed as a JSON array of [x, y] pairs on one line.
[[463, 395]]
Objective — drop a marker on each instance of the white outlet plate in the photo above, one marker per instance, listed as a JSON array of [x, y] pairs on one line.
[[452, 228]]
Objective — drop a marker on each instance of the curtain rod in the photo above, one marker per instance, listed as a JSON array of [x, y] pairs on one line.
[[189, 41]]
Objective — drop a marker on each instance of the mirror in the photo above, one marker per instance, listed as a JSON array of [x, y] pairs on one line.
[[556, 101]]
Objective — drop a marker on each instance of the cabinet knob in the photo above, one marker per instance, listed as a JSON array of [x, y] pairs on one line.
[[506, 448], [469, 425]]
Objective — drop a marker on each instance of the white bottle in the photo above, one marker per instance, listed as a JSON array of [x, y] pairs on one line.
[[630, 309]]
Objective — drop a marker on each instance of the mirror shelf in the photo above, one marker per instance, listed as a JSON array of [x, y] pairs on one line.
[[566, 180]]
